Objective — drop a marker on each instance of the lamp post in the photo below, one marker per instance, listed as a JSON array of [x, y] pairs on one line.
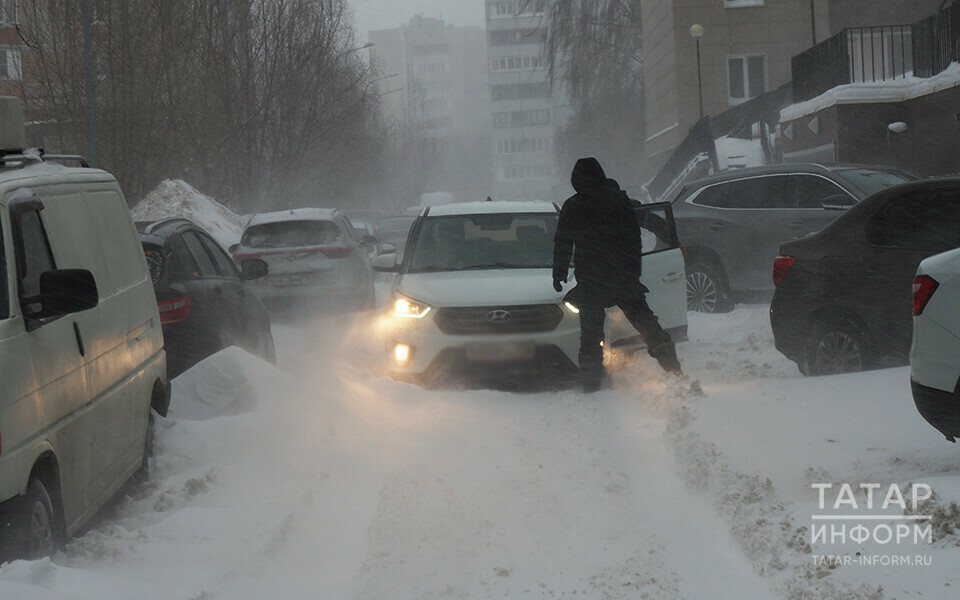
[[696, 32]]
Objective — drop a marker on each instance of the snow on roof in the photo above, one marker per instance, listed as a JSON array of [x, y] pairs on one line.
[[483, 208], [176, 198], [895, 90], [293, 214]]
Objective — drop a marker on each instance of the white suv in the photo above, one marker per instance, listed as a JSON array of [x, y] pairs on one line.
[[473, 294], [935, 353]]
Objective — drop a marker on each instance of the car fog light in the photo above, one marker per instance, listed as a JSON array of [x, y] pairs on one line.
[[401, 354]]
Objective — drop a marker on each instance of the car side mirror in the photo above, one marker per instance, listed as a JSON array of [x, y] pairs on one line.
[[65, 291], [388, 249], [385, 263], [369, 240], [253, 268], [837, 202], [233, 248]]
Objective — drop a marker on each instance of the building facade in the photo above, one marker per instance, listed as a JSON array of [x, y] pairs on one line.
[[433, 76], [744, 49], [525, 109]]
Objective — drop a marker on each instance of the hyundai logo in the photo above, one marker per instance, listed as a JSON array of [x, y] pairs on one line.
[[499, 316]]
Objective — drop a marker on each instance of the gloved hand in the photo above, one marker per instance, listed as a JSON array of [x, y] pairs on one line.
[[558, 284]]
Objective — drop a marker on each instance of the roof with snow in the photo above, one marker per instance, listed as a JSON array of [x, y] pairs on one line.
[[486, 208]]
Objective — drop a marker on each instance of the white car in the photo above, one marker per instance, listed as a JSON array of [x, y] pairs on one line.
[[314, 254], [935, 352], [473, 295]]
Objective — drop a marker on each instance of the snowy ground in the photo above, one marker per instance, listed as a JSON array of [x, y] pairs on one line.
[[324, 479]]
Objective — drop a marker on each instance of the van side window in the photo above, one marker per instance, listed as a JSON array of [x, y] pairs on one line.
[[4, 290], [36, 253]]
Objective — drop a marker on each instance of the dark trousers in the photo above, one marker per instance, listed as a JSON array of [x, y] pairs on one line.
[[659, 343]]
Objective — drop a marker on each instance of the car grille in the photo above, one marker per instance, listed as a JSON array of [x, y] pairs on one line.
[[533, 318]]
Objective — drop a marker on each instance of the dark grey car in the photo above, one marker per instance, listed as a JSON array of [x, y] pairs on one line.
[[732, 223]]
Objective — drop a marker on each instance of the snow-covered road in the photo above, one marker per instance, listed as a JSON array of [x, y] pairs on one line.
[[323, 479]]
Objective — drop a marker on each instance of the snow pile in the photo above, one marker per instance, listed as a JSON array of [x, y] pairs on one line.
[[176, 198]]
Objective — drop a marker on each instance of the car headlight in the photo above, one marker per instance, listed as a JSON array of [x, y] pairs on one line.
[[572, 308], [409, 309]]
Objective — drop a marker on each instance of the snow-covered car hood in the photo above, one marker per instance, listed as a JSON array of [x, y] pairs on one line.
[[488, 287]]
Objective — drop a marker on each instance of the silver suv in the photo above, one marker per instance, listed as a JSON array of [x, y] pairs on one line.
[[314, 255], [732, 223]]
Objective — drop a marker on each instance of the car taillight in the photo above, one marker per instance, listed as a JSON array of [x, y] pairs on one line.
[[174, 310], [923, 288], [336, 251], [781, 265]]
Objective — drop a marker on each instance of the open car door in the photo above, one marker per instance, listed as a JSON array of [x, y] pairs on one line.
[[663, 274]]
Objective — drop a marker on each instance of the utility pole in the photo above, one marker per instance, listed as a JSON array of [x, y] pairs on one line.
[[88, 67]]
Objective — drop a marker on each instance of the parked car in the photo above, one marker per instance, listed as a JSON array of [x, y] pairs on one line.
[[732, 223], [314, 255], [206, 303], [81, 349], [473, 294], [935, 352], [394, 230], [369, 235], [843, 295]]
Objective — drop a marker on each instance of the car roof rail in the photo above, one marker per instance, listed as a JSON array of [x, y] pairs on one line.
[[19, 158]]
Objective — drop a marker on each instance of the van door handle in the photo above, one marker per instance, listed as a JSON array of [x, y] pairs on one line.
[[797, 225], [76, 330], [217, 289], [672, 276], [717, 226]]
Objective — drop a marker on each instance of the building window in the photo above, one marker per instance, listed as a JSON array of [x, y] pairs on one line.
[[741, 3], [8, 12], [519, 91], [516, 63], [10, 65], [506, 37], [519, 118], [747, 76], [517, 146], [527, 172]]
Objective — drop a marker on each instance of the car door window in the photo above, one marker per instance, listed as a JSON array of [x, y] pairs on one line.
[[180, 264], [204, 261], [714, 196], [37, 257], [225, 266], [928, 221], [758, 192], [812, 191]]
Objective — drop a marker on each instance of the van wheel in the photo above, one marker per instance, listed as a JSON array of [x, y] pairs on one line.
[[839, 346], [32, 530], [707, 290]]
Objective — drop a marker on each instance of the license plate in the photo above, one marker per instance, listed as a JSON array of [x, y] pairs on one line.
[[291, 280], [500, 351]]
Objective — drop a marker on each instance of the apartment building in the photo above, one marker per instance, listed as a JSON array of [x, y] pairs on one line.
[[745, 49], [433, 76], [525, 109]]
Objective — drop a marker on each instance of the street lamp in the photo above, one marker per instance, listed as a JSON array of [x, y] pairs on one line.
[[696, 32]]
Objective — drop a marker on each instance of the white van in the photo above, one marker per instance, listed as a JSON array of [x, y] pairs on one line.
[[81, 349]]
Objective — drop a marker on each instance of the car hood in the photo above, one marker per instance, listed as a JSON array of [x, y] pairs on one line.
[[487, 287]]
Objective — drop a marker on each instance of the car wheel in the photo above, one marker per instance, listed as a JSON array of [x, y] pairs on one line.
[[31, 531], [706, 289], [838, 347]]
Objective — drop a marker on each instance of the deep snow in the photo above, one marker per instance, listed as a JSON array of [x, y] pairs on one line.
[[324, 479]]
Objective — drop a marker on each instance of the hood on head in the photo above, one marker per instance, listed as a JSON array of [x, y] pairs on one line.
[[587, 174]]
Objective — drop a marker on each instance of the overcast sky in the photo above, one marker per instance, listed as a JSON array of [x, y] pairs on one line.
[[386, 14]]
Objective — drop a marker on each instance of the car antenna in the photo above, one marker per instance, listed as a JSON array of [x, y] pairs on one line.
[[489, 199]]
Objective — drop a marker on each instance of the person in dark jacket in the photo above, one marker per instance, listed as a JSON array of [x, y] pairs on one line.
[[599, 228]]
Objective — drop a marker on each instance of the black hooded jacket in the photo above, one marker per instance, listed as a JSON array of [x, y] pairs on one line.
[[598, 226]]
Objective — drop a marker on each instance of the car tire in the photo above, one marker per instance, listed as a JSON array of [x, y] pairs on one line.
[[31, 532], [835, 347], [707, 289]]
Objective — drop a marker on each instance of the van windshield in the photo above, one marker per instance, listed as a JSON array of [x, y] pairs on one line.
[[490, 241]]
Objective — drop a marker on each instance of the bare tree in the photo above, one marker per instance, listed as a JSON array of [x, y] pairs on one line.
[[595, 49]]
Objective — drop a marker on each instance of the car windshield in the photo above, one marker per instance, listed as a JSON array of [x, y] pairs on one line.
[[494, 241], [286, 234], [869, 181]]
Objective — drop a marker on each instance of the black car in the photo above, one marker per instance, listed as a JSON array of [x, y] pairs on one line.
[[733, 222], [843, 296], [205, 302]]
